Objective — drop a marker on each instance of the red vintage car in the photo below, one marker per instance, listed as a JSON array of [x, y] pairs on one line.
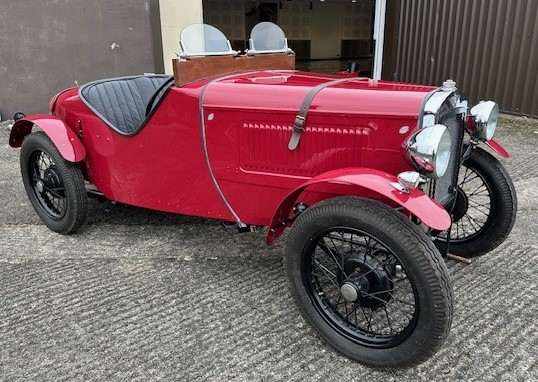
[[376, 180]]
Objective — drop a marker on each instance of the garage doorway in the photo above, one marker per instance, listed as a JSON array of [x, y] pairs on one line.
[[335, 31]]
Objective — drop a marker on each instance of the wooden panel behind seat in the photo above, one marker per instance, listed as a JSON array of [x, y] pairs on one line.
[[195, 68]]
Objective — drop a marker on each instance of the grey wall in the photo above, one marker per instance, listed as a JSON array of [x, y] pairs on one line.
[[490, 48], [48, 45]]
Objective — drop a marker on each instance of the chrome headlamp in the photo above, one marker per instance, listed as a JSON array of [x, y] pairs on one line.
[[484, 117], [428, 150]]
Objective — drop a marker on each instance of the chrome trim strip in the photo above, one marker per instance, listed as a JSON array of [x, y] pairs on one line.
[[206, 153]]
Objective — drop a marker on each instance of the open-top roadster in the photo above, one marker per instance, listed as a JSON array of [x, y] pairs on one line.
[[374, 179]]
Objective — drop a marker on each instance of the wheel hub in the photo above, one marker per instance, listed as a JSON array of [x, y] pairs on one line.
[[367, 282], [51, 178], [349, 291], [39, 186], [461, 206]]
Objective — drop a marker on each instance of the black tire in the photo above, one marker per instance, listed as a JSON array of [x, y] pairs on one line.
[[387, 247], [54, 186], [486, 207]]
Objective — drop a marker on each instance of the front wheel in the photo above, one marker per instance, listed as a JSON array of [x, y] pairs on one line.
[[369, 281], [485, 209], [54, 186]]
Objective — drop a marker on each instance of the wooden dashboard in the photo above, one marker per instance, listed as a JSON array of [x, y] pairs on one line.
[[195, 68]]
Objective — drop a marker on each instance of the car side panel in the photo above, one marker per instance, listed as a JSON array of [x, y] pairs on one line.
[[162, 167], [250, 158], [248, 122], [255, 169]]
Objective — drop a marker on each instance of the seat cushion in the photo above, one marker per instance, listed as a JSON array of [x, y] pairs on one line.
[[121, 102]]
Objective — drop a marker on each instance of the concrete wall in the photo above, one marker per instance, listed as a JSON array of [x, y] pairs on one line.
[[46, 46]]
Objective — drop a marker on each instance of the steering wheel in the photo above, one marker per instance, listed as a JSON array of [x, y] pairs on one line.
[[157, 92]]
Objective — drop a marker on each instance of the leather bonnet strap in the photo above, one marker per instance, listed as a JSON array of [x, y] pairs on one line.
[[300, 119]]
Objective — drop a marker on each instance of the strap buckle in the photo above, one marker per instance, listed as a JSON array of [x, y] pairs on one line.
[[298, 125]]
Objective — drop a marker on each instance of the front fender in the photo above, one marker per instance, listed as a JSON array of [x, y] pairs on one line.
[[429, 211], [496, 146], [65, 140]]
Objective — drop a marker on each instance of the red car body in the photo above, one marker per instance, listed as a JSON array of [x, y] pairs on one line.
[[352, 146]]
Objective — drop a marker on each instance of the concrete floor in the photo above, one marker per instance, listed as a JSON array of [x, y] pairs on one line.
[[142, 296]]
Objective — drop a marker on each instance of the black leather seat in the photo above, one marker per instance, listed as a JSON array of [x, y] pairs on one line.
[[122, 102]]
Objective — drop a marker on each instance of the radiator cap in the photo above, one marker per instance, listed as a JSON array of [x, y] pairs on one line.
[[449, 85]]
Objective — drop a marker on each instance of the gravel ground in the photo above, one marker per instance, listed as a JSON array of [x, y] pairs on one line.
[[139, 295]]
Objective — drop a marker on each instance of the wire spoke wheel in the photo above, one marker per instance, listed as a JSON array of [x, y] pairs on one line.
[[369, 281], [361, 287], [485, 208], [54, 186], [473, 206], [47, 184]]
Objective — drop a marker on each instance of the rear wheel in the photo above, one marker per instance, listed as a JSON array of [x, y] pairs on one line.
[[485, 209], [369, 281], [54, 186]]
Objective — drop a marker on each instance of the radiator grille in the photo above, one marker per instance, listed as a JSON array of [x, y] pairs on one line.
[[445, 185]]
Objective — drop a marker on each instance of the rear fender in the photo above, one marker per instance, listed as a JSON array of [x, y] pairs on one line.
[[65, 140], [429, 211]]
